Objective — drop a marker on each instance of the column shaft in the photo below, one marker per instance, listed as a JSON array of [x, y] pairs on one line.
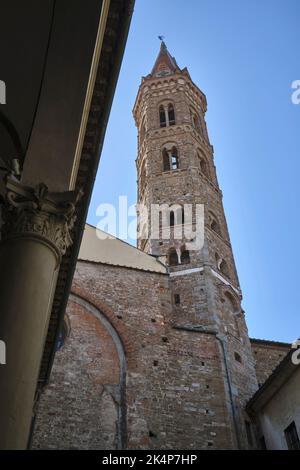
[[27, 279]]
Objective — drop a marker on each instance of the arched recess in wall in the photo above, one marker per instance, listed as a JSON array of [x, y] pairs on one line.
[[235, 307], [214, 223], [86, 396], [231, 312], [170, 156], [204, 164], [196, 121], [122, 425]]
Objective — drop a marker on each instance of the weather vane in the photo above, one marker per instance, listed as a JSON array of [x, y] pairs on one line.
[[161, 38]]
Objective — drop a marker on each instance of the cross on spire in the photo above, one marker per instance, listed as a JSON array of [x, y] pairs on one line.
[[163, 44]]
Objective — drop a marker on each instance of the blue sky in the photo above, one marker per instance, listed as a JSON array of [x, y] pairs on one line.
[[244, 55]]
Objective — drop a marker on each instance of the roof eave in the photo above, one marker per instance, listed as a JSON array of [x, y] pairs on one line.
[[275, 381], [108, 72]]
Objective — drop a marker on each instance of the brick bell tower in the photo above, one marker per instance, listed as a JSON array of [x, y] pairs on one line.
[[175, 166]]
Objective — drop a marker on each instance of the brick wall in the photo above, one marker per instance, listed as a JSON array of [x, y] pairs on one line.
[[267, 355], [175, 393], [84, 391]]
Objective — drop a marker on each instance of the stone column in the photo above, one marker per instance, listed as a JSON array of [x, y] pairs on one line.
[[167, 116], [35, 235]]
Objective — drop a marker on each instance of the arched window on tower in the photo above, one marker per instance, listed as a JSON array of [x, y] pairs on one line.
[[172, 257], [185, 256], [196, 121], [204, 166], [170, 159], [215, 227], [171, 114], [177, 217], [174, 158], [166, 160], [231, 313], [214, 224], [224, 268], [172, 219], [218, 260], [162, 116], [182, 215]]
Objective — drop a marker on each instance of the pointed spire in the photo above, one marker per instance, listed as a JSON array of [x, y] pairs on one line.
[[165, 64]]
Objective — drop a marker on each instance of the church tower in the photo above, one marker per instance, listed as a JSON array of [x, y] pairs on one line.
[[175, 166]]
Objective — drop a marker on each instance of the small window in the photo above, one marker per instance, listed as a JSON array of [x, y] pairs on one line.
[[237, 357], [171, 115], [172, 219], [173, 257], [177, 299], [291, 436], [224, 268], [162, 117], [204, 167], [174, 160], [185, 256], [170, 159], [196, 121], [177, 217], [214, 224], [182, 216], [249, 433]]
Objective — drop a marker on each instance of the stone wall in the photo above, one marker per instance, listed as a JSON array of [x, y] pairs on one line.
[[267, 356]]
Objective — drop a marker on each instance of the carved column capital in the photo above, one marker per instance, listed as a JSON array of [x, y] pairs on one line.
[[37, 213]]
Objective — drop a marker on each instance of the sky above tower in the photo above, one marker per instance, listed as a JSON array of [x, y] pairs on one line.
[[244, 57]]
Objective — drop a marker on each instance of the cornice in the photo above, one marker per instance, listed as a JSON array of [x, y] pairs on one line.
[[150, 85]]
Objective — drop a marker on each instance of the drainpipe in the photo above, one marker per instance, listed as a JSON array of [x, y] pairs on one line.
[[235, 424]]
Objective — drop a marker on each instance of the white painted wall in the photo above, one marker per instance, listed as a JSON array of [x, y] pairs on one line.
[[280, 411]]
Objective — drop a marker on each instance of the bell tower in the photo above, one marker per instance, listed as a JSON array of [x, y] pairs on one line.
[[175, 166]]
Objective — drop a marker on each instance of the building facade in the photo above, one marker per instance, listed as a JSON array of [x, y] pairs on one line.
[[275, 407], [155, 351]]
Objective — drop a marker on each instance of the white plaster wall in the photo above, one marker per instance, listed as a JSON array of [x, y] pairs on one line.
[[280, 411]]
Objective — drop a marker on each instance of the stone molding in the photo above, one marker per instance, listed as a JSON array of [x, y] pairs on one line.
[[37, 213]]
